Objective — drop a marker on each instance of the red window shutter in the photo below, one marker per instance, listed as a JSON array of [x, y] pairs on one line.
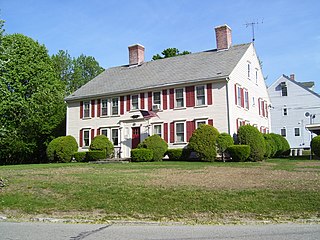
[[248, 100], [242, 97], [259, 103], [209, 94], [164, 99], [235, 94], [237, 124], [267, 112], [128, 103], [98, 131], [121, 105], [262, 108], [92, 134], [81, 109], [142, 100], [172, 132], [190, 101], [165, 132], [171, 97], [99, 108], [150, 101], [190, 128], [81, 138], [92, 108], [210, 122]]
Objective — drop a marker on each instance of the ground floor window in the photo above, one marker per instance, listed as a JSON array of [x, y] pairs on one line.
[[157, 129], [179, 132], [297, 132], [86, 137], [200, 122], [104, 131]]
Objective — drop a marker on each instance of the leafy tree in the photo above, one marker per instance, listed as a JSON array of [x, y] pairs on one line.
[[31, 100], [75, 72], [224, 141], [169, 52]]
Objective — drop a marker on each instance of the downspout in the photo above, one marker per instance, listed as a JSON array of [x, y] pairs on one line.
[[227, 98]]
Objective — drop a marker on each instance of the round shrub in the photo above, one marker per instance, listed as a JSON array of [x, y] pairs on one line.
[[101, 142], [315, 145], [80, 156], [158, 146], [224, 141], [61, 149], [271, 147], [203, 142], [239, 153], [283, 147], [175, 154], [95, 155], [141, 155], [249, 135]]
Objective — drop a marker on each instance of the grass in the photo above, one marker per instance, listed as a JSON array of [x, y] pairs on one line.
[[164, 191]]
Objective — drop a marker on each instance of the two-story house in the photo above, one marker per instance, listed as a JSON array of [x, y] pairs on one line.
[[295, 106], [171, 97]]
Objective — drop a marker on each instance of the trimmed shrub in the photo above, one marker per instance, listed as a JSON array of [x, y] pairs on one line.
[[158, 146], [101, 142], [315, 145], [95, 155], [80, 156], [141, 155], [203, 142], [249, 135], [61, 149], [175, 154], [271, 147], [224, 141], [239, 153], [283, 147]]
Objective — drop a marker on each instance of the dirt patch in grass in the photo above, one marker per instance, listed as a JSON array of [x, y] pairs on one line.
[[236, 178]]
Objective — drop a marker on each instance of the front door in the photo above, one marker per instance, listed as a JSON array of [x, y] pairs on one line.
[[135, 137]]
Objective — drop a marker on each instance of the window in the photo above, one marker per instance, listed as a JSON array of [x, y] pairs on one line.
[[284, 89], [104, 131], [115, 106], [239, 96], [200, 122], [285, 111], [157, 98], [256, 76], [115, 136], [180, 132], [249, 66], [246, 99], [86, 137], [134, 102], [157, 129], [104, 107], [179, 98], [283, 132], [86, 109], [200, 96], [297, 132]]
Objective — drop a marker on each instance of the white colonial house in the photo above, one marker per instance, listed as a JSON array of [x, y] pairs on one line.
[[294, 107], [171, 97]]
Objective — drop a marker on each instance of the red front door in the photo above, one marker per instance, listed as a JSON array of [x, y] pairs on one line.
[[135, 137]]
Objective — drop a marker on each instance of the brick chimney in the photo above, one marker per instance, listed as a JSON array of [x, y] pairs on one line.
[[292, 76], [223, 37], [136, 54]]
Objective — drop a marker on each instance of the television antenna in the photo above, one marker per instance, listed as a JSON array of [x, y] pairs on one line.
[[253, 25]]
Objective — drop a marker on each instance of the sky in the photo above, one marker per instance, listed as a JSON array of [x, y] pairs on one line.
[[287, 32]]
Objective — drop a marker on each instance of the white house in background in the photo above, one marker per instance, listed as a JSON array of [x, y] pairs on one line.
[[294, 106], [171, 97]]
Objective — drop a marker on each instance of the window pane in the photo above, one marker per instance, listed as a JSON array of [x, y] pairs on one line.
[[135, 102], [297, 132], [115, 137], [104, 132], [200, 93], [179, 98], [86, 138], [157, 130], [239, 97], [180, 132], [86, 109], [283, 132], [200, 123], [104, 107], [156, 98], [115, 106]]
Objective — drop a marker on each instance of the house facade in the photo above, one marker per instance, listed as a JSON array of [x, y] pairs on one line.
[[171, 97], [294, 107]]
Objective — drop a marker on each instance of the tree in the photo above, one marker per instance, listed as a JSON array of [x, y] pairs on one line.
[[75, 72], [169, 52], [31, 100]]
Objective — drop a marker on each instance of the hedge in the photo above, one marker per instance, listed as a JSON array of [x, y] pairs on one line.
[[271, 147], [239, 153], [141, 155], [61, 149], [283, 147], [80, 156], [95, 155], [101, 142], [158, 146], [315, 145], [175, 154], [224, 141]]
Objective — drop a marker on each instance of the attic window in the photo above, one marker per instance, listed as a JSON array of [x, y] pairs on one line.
[[284, 89]]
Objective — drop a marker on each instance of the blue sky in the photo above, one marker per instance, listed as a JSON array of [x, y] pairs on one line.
[[288, 40]]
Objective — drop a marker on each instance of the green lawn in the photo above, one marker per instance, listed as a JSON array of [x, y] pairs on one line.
[[164, 191]]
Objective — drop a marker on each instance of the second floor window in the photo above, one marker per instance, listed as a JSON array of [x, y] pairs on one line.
[[157, 98], [86, 109], [283, 132], [179, 97], [115, 136], [134, 102], [246, 99], [200, 96], [115, 106], [104, 107]]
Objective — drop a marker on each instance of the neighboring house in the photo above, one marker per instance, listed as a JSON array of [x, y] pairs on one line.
[[171, 97], [294, 106]]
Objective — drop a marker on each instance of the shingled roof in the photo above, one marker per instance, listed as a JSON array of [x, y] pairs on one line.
[[195, 67]]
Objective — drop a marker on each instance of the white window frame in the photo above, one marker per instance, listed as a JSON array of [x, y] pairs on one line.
[[246, 98], [137, 103], [183, 98], [201, 121], [154, 129], [249, 70], [112, 137], [107, 132], [204, 95], [160, 98], [112, 106], [184, 132], [284, 111], [285, 132], [295, 133], [86, 109], [257, 76], [84, 131], [106, 107]]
